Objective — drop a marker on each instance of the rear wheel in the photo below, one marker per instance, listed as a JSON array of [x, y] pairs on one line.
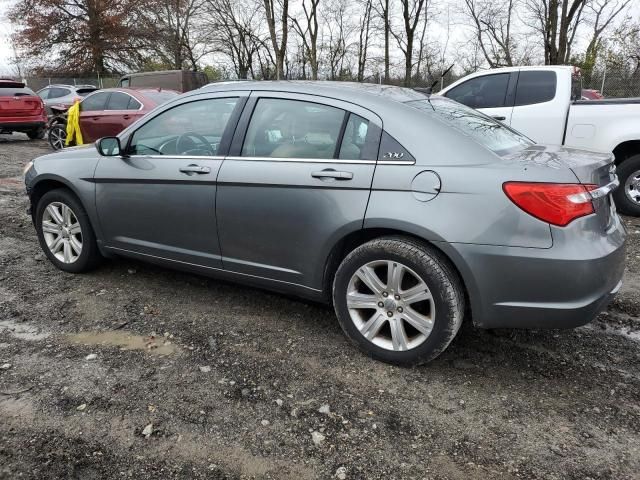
[[398, 300], [627, 195], [37, 134], [65, 233], [57, 136]]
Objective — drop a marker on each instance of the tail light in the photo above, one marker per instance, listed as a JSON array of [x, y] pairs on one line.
[[555, 203]]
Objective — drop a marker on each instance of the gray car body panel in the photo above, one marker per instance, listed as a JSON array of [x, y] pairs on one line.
[[269, 223]]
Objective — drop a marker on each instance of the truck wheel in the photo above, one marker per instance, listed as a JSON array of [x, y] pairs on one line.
[[627, 195], [398, 300], [37, 134], [57, 136]]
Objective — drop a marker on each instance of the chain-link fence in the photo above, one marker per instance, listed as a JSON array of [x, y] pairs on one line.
[[100, 81]]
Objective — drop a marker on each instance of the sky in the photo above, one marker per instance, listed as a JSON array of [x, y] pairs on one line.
[[6, 28]]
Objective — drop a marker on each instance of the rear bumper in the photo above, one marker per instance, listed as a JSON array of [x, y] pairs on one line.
[[22, 125], [564, 286]]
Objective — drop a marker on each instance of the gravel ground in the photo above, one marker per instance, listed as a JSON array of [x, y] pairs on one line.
[[133, 371]]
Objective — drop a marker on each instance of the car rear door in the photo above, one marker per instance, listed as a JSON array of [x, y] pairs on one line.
[[297, 179], [92, 111], [541, 106], [121, 111], [492, 94], [159, 201]]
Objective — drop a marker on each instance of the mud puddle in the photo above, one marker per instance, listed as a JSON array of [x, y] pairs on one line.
[[125, 341]]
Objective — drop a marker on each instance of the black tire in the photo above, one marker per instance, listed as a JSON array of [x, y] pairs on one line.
[[433, 268], [626, 169], [56, 132], [89, 256], [37, 134]]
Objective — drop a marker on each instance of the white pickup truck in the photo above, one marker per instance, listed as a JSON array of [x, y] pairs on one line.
[[543, 103]]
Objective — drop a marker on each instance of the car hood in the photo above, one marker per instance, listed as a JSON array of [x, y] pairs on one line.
[[588, 166], [80, 151]]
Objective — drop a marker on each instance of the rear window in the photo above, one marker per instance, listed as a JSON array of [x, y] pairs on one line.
[[488, 132], [535, 87], [15, 92], [160, 97]]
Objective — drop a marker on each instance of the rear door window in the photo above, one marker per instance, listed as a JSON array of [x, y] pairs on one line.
[[535, 87], [282, 128], [56, 92], [354, 138], [488, 91], [95, 102], [118, 101]]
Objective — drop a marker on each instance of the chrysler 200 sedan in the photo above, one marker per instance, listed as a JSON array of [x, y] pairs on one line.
[[408, 213]]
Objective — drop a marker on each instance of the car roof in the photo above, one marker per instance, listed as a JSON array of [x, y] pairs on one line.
[[349, 91]]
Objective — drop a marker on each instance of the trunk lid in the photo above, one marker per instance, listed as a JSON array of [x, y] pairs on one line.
[[19, 102]]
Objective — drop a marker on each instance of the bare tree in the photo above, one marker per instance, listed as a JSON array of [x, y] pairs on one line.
[[410, 17], [234, 31], [364, 25], [557, 22], [279, 47], [604, 12], [382, 9], [176, 36], [493, 23], [309, 33]]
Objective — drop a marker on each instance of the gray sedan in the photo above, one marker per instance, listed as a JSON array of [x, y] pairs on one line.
[[409, 214]]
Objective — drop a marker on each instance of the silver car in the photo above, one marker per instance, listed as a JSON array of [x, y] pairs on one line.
[[63, 96], [408, 213]]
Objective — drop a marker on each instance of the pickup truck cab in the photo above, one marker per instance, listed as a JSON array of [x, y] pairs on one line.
[[544, 104]]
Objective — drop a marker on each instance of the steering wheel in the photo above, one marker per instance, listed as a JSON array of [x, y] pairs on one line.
[[182, 139]]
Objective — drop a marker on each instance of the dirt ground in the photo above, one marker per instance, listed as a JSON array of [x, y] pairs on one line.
[[133, 371]]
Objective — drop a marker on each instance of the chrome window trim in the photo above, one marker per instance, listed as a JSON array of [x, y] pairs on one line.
[[301, 160], [186, 157]]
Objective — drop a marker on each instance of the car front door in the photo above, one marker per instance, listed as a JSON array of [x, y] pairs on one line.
[[492, 94], [92, 111], [297, 179], [159, 201]]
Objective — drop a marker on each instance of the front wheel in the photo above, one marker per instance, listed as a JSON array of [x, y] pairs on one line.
[[627, 195], [65, 233], [398, 300], [57, 136]]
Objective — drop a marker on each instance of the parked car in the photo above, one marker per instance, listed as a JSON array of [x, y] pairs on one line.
[[179, 80], [21, 110], [63, 96], [544, 104], [109, 111], [590, 94], [408, 213]]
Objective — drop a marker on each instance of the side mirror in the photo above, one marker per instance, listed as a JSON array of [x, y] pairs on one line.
[[109, 146]]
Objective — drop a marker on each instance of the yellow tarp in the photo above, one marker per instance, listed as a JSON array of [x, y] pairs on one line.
[[73, 125]]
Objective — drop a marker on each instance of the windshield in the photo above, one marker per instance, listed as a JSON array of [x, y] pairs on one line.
[[488, 132]]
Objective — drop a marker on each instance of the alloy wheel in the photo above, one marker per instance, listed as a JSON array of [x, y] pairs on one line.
[[391, 305], [57, 137], [62, 232]]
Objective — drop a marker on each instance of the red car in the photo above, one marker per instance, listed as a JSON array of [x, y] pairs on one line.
[[107, 112], [591, 94], [21, 110]]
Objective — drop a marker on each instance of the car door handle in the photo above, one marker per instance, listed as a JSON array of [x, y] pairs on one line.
[[499, 117], [126, 117], [332, 174], [191, 169]]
